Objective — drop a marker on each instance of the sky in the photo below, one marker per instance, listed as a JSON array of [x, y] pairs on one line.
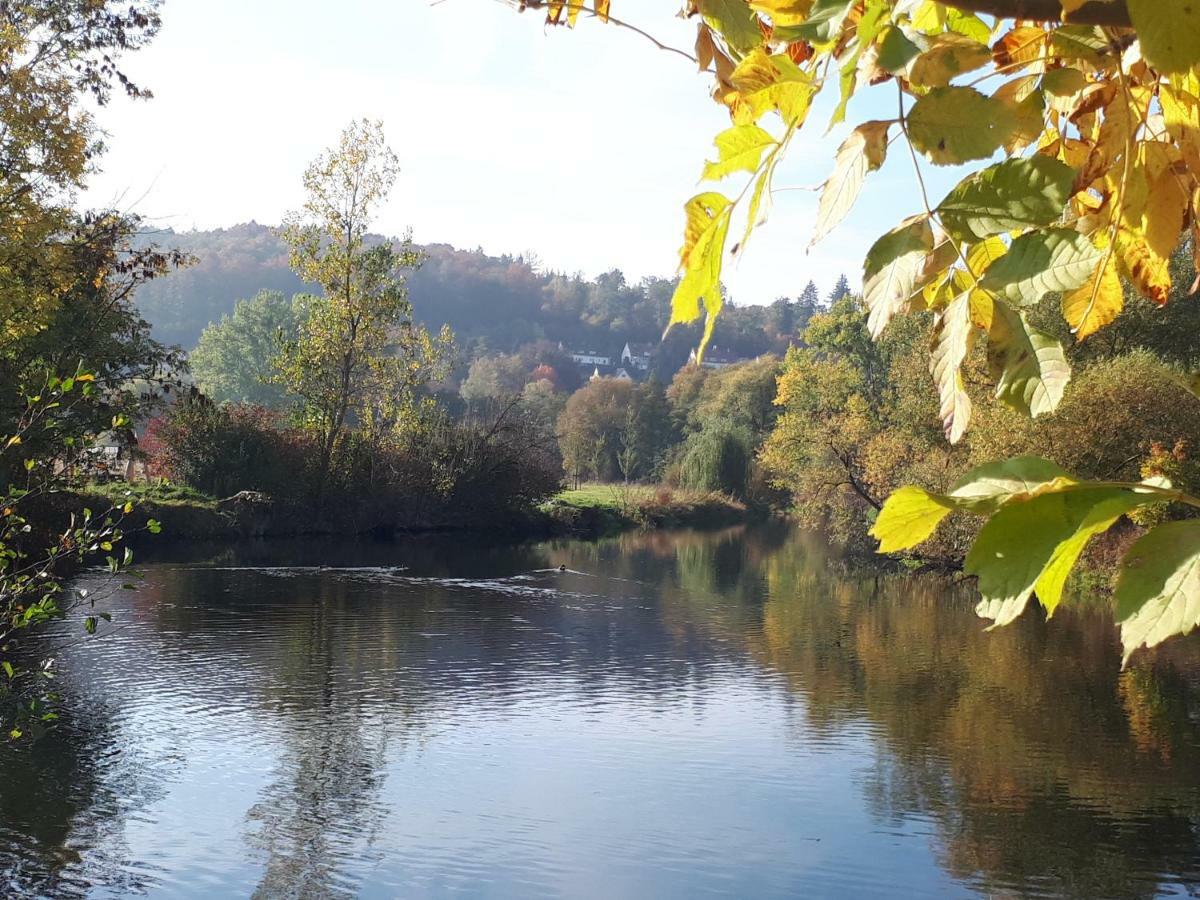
[[579, 147]]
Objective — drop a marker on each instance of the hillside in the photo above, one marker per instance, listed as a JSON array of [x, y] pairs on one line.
[[492, 303]]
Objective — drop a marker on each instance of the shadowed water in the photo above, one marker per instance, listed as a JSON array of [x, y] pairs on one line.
[[678, 715]]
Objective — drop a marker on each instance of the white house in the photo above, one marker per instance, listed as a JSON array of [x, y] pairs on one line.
[[590, 358], [638, 356], [716, 358]]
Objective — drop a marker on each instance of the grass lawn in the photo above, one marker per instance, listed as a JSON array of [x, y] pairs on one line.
[[610, 495]]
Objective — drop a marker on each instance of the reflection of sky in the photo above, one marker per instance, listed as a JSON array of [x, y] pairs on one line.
[[523, 750], [580, 147]]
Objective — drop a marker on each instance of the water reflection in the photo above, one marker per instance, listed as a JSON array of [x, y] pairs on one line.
[[683, 714]]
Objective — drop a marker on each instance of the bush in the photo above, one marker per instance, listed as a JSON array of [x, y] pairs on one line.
[[223, 449], [433, 472]]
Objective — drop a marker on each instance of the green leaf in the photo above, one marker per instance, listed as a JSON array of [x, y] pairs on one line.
[[736, 22], [823, 24], [968, 24], [1031, 370], [863, 151], [909, 516], [1169, 32], [1028, 541], [1057, 259], [1017, 193], [986, 488], [89, 624], [953, 335], [896, 51], [891, 269], [739, 149], [955, 124], [1158, 590], [8, 669]]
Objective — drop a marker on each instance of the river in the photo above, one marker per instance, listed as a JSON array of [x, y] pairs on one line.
[[679, 714]]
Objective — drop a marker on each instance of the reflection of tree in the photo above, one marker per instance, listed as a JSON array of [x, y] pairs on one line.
[[323, 807], [1044, 767], [62, 806]]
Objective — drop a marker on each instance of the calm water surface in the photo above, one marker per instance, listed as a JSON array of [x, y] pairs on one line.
[[681, 715]]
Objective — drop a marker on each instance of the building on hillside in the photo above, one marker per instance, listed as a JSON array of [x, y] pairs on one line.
[[716, 358], [618, 372], [638, 356], [590, 358]]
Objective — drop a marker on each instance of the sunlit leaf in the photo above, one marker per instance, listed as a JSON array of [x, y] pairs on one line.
[[891, 269], [910, 515], [863, 151], [1017, 193], [1169, 32], [735, 21], [1030, 368], [955, 124], [948, 56], [1096, 303], [1158, 590], [739, 149], [952, 338], [1022, 540], [1055, 259]]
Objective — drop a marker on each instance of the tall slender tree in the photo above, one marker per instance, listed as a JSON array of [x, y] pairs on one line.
[[358, 357]]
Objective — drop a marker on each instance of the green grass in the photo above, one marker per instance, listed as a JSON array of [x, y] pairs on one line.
[[613, 496], [151, 491]]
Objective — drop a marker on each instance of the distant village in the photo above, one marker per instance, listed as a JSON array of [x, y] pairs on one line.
[[636, 360]]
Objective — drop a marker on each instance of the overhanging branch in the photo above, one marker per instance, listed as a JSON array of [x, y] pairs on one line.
[[1097, 12]]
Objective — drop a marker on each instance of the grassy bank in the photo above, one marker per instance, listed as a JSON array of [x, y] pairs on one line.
[[592, 510], [606, 508]]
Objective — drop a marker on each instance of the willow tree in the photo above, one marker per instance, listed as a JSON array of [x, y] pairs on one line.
[[1082, 120], [358, 357]]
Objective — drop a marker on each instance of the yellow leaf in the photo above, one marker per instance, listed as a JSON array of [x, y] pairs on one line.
[[699, 290], [1096, 304], [762, 83], [783, 13], [1069, 6], [739, 149], [1141, 265], [1181, 112], [1022, 46], [949, 55], [601, 8]]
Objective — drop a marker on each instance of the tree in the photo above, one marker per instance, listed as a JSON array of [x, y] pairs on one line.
[[840, 290], [1098, 120], [810, 299], [53, 56], [358, 355], [233, 362], [591, 428], [494, 378]]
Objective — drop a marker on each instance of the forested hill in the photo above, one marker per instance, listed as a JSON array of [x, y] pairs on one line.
[[497, 303]]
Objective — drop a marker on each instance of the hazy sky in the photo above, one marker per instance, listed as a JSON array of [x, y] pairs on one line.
[[579, 146]]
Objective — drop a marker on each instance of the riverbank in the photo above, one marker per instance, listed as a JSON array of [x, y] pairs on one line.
[[593, 510]]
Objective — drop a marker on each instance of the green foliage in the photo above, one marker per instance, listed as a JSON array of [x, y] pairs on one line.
[[717, 459], [232, 362], [37, 543]]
